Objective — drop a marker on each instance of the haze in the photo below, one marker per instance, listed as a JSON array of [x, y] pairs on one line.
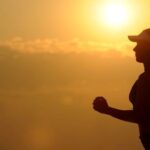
[[54, 60]]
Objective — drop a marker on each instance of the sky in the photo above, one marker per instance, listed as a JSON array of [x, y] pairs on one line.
[[55, 58]]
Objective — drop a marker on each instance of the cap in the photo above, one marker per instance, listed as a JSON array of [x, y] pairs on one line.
[[143, 36]]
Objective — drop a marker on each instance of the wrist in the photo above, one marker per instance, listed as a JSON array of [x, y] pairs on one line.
[[109, 110]]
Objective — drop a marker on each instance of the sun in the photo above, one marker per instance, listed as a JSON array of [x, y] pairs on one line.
[[115, 14], [112, 14]]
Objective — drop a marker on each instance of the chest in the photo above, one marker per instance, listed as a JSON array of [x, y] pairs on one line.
[[142, 93]]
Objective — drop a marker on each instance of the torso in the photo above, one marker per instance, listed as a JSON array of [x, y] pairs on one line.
[[140, 98]]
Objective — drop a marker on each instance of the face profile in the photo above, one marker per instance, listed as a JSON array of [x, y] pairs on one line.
[[142, 49], [142, 52]]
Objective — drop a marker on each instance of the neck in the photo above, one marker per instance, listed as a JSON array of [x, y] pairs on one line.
[[147, 67]]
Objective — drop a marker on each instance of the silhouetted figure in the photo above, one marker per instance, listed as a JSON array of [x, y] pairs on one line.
[[139, 95]]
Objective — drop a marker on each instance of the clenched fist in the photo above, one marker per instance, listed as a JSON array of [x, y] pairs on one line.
[[100, 104]]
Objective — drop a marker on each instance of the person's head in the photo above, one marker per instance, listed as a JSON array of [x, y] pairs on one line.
[[142, 49]]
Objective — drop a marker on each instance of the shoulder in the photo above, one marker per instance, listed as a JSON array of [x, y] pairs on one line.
[[144, 79], [143, 87], [135, 88]]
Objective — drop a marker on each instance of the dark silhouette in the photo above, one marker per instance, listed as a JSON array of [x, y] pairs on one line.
[[139, 95]]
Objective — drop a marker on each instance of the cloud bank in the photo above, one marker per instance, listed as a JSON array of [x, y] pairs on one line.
[[46, 92], [50, 63], [57, 46]]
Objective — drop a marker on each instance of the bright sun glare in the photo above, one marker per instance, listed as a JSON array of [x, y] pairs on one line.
[[112, 14]]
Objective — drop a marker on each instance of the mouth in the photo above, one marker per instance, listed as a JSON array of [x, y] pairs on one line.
[[136, 54]]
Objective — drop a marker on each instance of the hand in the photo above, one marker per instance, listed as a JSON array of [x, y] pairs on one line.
[[100, 104]]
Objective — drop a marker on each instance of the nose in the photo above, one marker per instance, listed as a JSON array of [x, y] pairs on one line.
[[136, 47]]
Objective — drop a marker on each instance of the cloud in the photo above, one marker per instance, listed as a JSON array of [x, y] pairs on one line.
[[51, 66], [57, 46], [46, 92]]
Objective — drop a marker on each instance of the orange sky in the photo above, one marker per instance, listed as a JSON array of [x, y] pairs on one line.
[[55, 58], [65, 19]]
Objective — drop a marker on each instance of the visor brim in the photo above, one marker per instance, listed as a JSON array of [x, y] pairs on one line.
[[133, 38]]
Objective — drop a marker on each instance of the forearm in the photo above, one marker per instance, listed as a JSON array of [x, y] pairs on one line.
[[125, 115], [100, 105]]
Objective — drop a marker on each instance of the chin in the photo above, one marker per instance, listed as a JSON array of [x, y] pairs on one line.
[[139, 60]]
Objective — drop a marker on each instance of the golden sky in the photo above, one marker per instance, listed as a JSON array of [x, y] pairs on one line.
[[69, 19], [55, 58]]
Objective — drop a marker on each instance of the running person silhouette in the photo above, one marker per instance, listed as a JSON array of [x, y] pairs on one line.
[[139, 95]]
